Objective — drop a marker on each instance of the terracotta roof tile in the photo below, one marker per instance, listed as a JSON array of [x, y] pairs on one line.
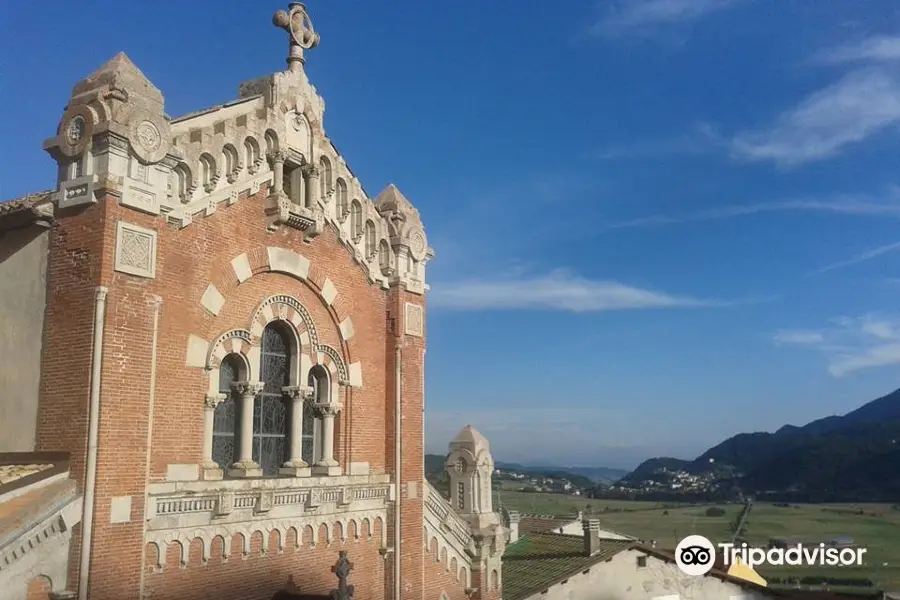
[[536, 561], [541, 524]]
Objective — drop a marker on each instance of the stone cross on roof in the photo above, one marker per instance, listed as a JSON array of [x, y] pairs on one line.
[[342, 570], [297, 23]]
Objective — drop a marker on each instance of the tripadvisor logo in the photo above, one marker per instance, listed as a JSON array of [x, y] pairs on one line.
[[696, 555]]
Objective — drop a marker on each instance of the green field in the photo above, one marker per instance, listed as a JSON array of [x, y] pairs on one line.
[[877, 529]]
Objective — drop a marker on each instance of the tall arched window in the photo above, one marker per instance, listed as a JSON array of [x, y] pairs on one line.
[[384, 257], [356, 225], [324, 177], [251, 155], [319, 382], [225, 421], [341, 208], [371, 248], [270, 418], [208, 174]]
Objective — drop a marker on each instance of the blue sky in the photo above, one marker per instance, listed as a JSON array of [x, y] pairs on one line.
[[657, 222]]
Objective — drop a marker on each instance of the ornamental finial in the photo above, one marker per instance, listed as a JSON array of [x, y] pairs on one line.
[[296, 22]]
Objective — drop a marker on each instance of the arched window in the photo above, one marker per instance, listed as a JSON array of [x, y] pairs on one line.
[[325, 184], [321, 385], [270, 418], [230, 162], [341, 208], [225, 421], [370, 240], [208, 176], [251, 155], [356, 226], [384, 257], [181, 183]]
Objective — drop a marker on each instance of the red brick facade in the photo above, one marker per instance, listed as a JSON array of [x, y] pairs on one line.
[[165, 525]]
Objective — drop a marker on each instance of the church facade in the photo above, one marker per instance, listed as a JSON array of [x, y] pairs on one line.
[[233, 353]]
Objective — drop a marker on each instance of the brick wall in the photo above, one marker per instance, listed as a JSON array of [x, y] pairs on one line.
[[259, 574], [188, 260], [443, 575]]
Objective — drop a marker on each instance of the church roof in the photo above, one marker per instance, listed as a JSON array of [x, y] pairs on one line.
[[25, 210], [537, 561]]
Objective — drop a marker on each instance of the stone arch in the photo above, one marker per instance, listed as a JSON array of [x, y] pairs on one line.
[[338, 531], [310, 534], [464, 576], [241, 542], [209, 172], [341, 206], [252, 154], [235, 341], [443, 558], [353, 530], [182, 183], [433, 547], [454, 566], [326, 182], [324, 533], [218, 548], [231, 162], [299, 326], [274, 540], [152, 557], [292, 538], [280, 260], [385, 258], [199, 547], [179, 549], [379, 529], [367, 528], [272, 143], [495, 579], [371, 240], [331, 359], [258, 537]]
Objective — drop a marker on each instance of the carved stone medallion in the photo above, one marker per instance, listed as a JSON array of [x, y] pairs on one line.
[[75, 131], [148, 136], [418, 246]]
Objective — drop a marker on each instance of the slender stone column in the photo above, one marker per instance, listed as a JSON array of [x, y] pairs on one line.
[[296, 466], [245, 467], [278, 173], [311, 175], [211, 469], [327, 465]]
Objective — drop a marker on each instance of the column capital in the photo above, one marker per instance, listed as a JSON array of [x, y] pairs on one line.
[[327, 409], [310, 170], [248, 388], [276, 157], [213, 400], [298, 393]]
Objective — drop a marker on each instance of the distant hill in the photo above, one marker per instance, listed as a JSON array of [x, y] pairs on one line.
[[589, 476], [854, 457]]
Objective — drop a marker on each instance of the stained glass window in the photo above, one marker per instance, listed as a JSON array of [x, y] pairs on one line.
[[270, 415], [318, 381], [225, 420]]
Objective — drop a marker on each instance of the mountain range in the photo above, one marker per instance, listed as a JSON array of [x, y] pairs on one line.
[[854, 457]]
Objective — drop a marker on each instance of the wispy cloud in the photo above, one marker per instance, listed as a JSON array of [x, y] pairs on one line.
[[557, 291], [873, 49], [861, 104], [851, 344], [638, 16], [862, 257], [702, 140], [887, 206]]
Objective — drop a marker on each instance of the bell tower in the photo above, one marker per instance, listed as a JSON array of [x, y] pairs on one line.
[[470, 467]]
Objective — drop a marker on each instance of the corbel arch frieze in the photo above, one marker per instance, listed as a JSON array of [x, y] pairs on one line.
[[307, 532], [272, 259]]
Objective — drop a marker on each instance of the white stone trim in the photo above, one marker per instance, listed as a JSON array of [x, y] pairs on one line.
[[240, 264], [282, 260], [212, 300], [135, 250], [346, 327], [197, 349], [329, 292]]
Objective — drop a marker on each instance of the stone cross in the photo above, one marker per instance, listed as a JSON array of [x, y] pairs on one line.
[[342, 571], [297, 23]]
